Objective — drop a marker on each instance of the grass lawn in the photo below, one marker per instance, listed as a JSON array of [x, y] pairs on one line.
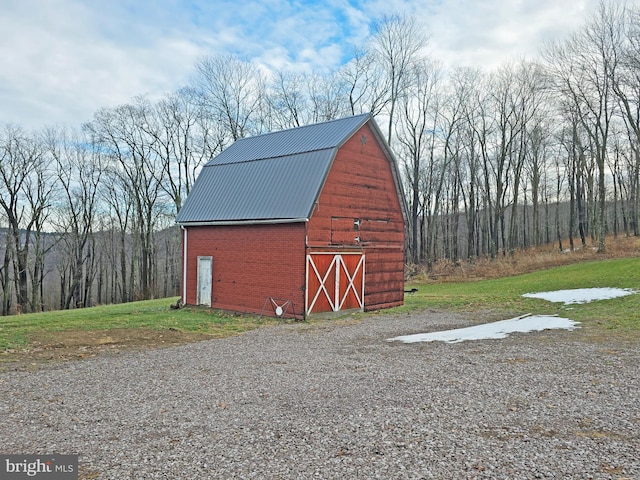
[[17, 331], [502, 296]]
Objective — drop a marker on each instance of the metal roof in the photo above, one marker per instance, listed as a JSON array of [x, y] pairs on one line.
[[309, 138], [282, 188], [269, 178]]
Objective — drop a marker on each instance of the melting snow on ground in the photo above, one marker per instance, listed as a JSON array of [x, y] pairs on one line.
[[581, 295], [525, 323], [501, 329]]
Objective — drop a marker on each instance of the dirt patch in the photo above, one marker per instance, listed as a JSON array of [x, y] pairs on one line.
[[54, 347]]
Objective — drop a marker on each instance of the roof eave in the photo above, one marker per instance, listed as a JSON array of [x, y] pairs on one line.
[[264, 221]]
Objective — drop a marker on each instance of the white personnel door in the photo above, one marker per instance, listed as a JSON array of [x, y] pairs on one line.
[[204, 281]]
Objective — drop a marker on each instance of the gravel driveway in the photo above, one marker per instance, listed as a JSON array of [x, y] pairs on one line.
[[335, 399]]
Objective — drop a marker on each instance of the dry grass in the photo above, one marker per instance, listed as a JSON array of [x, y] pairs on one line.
[[522, 261]]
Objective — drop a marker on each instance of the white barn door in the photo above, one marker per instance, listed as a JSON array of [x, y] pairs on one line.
[[204, 281]]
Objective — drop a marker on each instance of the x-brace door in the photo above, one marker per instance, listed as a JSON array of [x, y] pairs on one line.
[[334, 282]]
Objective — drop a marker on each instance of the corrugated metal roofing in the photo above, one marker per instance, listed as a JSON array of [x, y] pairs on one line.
[[288, 142], [270, 189], [276, 176]]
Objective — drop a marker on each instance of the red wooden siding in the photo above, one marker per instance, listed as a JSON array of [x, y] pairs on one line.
[[360, 186], [251, 263]]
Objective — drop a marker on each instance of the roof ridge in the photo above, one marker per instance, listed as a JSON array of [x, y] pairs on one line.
[[261, 159], [300, 127]]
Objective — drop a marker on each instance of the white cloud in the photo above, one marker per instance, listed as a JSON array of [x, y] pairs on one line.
[[488, 33], [65, 59]]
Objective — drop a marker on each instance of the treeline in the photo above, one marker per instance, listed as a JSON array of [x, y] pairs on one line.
[[534, 152]]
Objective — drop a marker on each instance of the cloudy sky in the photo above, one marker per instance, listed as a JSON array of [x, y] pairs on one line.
[[64, 59]]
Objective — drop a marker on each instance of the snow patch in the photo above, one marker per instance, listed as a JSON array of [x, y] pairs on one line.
[[581, 295], [494, 330], [525, 323]]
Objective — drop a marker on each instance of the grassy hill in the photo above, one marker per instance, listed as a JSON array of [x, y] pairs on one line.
[[504, 295], [48, 336]]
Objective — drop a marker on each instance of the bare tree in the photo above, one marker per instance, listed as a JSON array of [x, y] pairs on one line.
[[287, 99], [122, 133], [583, 67], [366, 85], [416, 134], [500, 164], [297, 99], [397, 41], [182, 140], [326, 97], [537, 164], [532, 114], [465, 84], [79, 168], [25, 199], [231, 91], [625, 81], [119, 218]]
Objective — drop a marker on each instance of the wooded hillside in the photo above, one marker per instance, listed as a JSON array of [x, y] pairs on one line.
[[538, 151]]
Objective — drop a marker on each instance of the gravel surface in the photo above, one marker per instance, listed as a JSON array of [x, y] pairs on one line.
[[335, 399]]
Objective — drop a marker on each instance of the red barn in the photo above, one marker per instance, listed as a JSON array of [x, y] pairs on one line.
[[297, 222]]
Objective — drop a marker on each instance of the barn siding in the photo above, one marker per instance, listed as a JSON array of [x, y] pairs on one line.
[[384, 282], [360, 185], [250, 264]]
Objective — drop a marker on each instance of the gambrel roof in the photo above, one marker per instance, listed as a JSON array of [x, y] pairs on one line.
[[275, 177]]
